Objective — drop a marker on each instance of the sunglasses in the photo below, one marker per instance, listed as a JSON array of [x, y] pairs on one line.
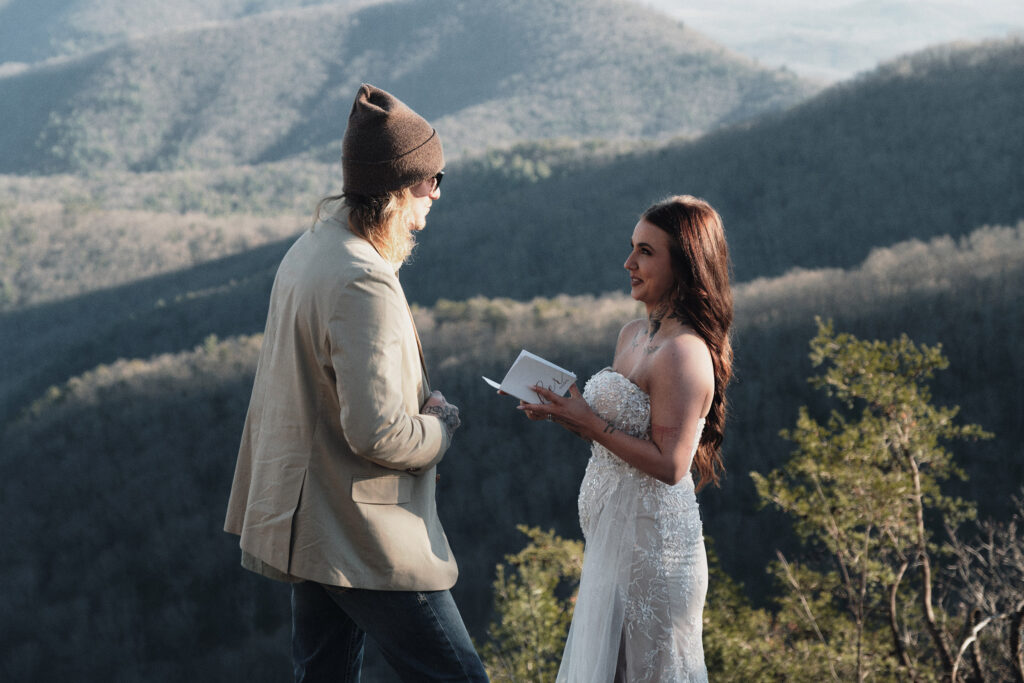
[[435, 182]]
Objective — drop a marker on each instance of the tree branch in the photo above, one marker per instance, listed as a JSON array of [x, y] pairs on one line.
[[972, 639], [897, 638], [926, 571], [791, 577], [1016, 651]]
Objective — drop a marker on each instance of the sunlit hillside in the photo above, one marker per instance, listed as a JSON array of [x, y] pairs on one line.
[[279, 84], [888, 157], [862, 165], [31, 31]]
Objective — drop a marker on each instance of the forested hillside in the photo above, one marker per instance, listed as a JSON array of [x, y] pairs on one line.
[[161, 260], [891, 156], [118, 477], [925, 146], [33, 31], [280, 84]]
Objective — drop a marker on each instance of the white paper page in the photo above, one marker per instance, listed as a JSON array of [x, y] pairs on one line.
[[531, 370]]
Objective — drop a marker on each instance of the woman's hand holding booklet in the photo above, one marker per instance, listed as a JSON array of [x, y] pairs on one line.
[[530, 370]]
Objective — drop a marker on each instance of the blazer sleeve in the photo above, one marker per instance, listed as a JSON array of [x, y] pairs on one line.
[[368, 332]]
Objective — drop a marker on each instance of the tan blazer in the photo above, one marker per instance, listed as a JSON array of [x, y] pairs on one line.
[[335, 475]]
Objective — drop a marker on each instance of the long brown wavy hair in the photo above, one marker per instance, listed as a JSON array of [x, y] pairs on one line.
[[702, 296], [382, 220]]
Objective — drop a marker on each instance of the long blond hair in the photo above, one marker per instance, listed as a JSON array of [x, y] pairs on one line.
[[382, 220]]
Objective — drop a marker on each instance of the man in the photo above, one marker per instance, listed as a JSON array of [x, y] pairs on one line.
[[334, 485]]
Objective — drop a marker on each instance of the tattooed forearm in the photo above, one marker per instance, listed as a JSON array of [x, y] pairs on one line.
[[447, 413], [609, 427]]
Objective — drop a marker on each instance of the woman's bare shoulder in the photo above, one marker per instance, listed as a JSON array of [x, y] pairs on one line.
[[683, 360], [632, 327], [684, 350], [629, 331]]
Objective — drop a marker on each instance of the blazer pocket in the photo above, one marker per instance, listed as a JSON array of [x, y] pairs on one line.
[[392, 489]]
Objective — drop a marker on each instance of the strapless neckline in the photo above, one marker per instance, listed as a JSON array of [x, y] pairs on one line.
[[638, 391]]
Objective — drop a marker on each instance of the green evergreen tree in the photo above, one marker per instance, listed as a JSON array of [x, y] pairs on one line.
[[864, 491], [534, 601]]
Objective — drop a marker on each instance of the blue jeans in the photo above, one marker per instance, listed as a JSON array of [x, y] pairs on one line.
[[420, 634]]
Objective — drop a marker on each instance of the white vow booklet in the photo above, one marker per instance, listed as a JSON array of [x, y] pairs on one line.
[[531, 370]]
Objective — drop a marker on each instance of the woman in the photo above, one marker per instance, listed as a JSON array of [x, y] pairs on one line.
[[653, 417]]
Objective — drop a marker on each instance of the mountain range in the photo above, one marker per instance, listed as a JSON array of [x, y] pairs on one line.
[[276, 85], [923, 147]]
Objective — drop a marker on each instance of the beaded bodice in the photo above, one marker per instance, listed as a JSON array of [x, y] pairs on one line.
[[617, 399]]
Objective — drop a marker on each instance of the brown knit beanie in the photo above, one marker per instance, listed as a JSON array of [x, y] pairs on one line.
[[387, 146]]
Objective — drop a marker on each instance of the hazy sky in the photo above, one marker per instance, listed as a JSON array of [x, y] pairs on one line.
[[835, 39]]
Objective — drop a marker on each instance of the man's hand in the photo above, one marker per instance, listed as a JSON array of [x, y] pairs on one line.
[[437, 406]]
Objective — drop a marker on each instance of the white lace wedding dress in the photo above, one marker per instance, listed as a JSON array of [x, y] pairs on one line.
[[645, 575]]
